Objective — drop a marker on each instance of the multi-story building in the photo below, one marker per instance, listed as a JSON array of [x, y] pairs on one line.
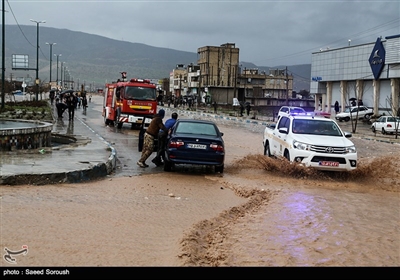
[[369, 73], [178, 81], [218, 71], [219, 77]]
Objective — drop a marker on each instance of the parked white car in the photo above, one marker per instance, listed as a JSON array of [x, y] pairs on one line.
[[290, 110], [363, 113], [386, 124]]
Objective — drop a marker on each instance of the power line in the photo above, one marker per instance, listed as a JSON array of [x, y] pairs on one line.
[[394, 22], [22, 32]]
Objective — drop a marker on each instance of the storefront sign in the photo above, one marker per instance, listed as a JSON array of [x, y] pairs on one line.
[[377, 59]]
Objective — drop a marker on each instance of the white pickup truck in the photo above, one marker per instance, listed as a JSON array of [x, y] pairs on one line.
[[316, 142]]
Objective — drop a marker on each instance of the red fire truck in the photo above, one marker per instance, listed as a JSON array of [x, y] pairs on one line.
[[132, 101]]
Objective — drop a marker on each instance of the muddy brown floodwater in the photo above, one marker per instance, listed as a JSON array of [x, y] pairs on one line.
[[260, 212]]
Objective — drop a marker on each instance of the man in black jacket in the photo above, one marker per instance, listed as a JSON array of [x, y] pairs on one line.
[[71, 103]]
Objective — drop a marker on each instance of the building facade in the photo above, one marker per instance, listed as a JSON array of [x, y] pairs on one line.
[[219, 77], [218, 72], [369, 73]]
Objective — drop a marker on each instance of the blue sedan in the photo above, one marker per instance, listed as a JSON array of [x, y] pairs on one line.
[[197, 142]]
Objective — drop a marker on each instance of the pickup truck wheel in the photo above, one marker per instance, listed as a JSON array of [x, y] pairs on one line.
[[367, 117], [267, 151], [286, 155], [383, 131]]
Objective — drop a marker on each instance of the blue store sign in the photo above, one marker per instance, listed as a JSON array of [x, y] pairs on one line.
[[377, 59]]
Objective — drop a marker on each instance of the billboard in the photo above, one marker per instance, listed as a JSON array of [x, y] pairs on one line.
[[20, 62]]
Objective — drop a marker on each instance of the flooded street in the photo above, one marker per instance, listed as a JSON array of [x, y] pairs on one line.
[[261, 212]]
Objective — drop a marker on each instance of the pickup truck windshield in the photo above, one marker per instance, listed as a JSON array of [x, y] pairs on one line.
[[316, 127]]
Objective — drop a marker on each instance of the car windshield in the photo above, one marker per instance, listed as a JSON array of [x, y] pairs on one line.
[[196, 128], [317, 127], [140, 93]]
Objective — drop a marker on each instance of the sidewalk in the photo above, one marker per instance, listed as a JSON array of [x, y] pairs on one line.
[[90, 157]]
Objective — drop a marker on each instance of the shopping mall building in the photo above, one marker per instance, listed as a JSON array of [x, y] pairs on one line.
[[369, 73]]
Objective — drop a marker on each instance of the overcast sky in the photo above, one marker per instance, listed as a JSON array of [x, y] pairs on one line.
[[268, 33]]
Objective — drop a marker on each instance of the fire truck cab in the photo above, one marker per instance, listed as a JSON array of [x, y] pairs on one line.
[[133, 101]]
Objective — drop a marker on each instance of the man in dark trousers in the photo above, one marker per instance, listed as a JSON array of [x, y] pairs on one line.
[[71, 103], [61, 107], [248, 108], [336, 107], [241, 108], [151, 133], [162, 137], [52, 96]]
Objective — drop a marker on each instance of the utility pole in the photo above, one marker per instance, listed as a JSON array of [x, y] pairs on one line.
[[57, 55], [51, 58], [180, 84], [245, 84], [37, 56], [3, 68]]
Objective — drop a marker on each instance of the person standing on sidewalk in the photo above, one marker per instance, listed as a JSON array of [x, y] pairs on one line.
[[241, 108], [151, 133], [336, 107], [248, 107], [71, 103]]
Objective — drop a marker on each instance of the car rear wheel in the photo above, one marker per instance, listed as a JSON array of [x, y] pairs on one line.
[[219, 169], [167, 165], [346, 119]]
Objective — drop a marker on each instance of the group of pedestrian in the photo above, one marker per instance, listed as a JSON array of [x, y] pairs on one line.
[[244, 106], [70, 102], [156, 130]]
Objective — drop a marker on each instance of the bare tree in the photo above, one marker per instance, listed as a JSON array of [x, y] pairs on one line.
[[354, 91]]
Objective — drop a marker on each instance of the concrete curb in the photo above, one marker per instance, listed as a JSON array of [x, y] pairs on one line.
[[92, 172]]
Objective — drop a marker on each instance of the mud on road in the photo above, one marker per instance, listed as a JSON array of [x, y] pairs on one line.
[[260, 212]]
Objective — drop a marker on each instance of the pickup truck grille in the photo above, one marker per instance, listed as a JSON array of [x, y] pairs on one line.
[[328, 149], [325, 158]]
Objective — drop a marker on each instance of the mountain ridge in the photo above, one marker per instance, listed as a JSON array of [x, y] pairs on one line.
[[95, 59]]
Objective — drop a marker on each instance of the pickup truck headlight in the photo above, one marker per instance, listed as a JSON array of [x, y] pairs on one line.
[[301, 146], [351, 149]]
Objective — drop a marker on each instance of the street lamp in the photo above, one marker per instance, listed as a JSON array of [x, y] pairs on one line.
[[37, 56], [61, 76], [57, 55], [51, 58]]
